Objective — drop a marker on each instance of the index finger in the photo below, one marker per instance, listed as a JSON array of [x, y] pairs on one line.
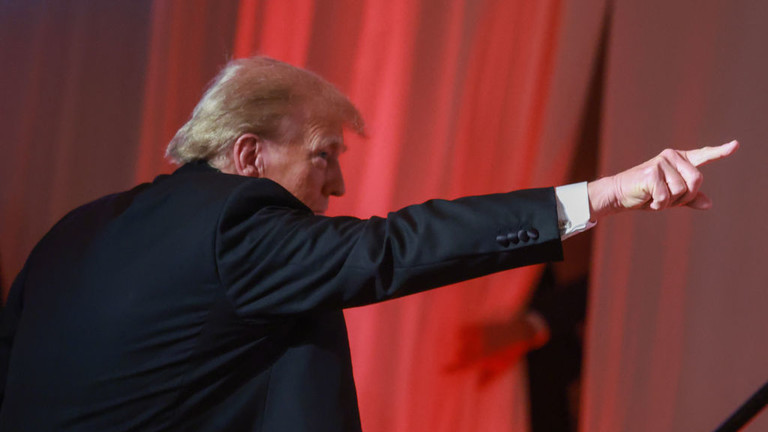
[[705, 155]]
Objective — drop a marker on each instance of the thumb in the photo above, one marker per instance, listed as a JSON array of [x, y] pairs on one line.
[[700, 202]]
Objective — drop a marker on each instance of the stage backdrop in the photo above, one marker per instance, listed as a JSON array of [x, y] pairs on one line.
[[677, 326], [460, 97]]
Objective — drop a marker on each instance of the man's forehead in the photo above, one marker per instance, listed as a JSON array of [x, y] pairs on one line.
[[326, 135]]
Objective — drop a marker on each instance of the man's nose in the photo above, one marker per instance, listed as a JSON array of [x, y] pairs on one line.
[[335, 181]]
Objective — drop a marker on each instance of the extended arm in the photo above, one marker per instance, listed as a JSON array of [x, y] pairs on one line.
[[285, 261]]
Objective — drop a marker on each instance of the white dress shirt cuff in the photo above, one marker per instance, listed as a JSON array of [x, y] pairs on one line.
[[573, 209]]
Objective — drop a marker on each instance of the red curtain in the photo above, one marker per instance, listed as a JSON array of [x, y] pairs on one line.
[[460, 97]]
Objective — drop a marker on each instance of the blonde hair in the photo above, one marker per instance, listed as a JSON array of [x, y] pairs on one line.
[[256, 95]]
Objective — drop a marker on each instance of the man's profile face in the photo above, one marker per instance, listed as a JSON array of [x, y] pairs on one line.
[[309, 167]]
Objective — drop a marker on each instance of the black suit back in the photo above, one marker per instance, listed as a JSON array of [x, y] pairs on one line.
[[213, 302]]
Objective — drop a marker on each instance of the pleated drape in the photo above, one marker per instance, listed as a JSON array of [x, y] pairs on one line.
[[461, 97]]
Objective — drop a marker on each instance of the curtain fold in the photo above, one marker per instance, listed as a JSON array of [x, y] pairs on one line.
[[676, 324], [460, 97]]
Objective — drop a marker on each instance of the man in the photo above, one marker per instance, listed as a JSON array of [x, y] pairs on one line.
[[211, 299]]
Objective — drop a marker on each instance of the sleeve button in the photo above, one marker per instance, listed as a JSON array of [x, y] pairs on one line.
[[512, 238], [502, 240], [523, 235], [533, 233]]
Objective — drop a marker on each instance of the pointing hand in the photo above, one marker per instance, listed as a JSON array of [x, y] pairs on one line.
[[670, 179]]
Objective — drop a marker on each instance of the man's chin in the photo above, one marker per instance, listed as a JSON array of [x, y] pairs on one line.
[[320, 209]]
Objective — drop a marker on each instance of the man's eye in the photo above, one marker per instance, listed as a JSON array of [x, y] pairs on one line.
[[323, 154]]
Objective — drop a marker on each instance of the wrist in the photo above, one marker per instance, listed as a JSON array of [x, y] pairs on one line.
[[602, 198]]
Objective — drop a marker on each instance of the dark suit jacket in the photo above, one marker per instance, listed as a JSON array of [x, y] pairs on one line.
[[213, 302]]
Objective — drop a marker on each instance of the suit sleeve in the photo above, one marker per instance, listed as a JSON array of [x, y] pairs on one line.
[[276, 258]]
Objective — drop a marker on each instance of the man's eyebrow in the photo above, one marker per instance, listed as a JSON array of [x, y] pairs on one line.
[[335, 142]]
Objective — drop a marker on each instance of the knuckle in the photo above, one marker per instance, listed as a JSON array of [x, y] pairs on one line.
[[697, 178], [677, 189], [667, 153]]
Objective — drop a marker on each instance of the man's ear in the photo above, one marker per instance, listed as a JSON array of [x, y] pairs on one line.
[[247, 157]]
